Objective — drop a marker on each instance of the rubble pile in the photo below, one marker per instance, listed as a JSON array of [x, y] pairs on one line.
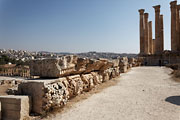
[[73, 77]]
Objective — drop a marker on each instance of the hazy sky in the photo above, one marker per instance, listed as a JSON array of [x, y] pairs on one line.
[[76, 25]]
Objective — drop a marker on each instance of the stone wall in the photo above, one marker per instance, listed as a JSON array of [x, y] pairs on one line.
[[162, 59], [73, 76]]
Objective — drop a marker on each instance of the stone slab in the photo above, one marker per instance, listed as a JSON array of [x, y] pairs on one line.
[[35, 90], [15, 107]]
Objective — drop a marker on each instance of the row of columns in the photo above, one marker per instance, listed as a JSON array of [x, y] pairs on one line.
[[146, 41], [147, 44], [175, 26]]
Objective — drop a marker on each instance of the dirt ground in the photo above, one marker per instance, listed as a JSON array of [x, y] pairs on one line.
[[144, 93]]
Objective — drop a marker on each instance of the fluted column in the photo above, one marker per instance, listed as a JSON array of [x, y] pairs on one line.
[[150, 38], [173, 25], [146, 29], [157, 28], [141, 12], [161, 41]]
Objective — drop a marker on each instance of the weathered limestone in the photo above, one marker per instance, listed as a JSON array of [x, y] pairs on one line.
[[161, 41], [173, 26], [146, 45], [15, 107], [142, 37], [75, 85], [98, 79], [178, 27], [81, 65], [153, 46], [35, 90], [88, 81], [157, 49], [61, 67], [56, 95], [67, 65], [81, 75], [150, 38], [46, 94], [95, 65], [123, 65], [134, 62]]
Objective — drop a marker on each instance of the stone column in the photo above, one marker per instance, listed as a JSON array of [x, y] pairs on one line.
[[153, 46], [178, 27], [141, 12], [150, 38], [146, 45], [157, 27], [173, 25], [161, 41]]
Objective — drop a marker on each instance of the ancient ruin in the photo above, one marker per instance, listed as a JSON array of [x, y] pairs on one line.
[[14, 70], [148, 46], [153, 50], [63, 78], [66, 77]]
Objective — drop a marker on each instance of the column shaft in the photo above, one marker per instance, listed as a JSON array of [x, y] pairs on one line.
[[178, 28], [173, 25], [141, 11], [150, 38], [153, 46], [161, 41], [146, 33], [157, 29]]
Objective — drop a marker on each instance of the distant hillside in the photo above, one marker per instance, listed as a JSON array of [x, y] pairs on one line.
[[22, 55], [96, 55]]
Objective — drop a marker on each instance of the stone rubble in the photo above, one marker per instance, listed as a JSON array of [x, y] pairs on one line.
[[74, 76], [123, 64]]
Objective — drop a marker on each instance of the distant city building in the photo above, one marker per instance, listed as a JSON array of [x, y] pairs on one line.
[[14, 70]]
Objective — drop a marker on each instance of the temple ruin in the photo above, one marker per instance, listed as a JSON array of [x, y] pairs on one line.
[[70, 76], [153, 49]]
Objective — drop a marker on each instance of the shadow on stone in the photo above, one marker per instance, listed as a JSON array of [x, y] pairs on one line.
[[174, 100]]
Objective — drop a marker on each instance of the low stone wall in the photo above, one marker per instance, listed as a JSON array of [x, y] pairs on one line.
[[49, 94], [77, 75]]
